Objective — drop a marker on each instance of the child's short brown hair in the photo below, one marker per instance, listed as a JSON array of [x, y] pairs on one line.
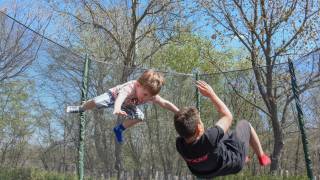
[[186, 120], [152, 81]]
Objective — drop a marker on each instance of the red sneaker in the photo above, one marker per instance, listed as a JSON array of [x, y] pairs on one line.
[[264, 160]]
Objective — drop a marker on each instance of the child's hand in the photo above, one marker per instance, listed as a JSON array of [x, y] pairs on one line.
[[120, 112], [204, 88]]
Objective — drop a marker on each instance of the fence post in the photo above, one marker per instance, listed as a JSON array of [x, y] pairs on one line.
[[300, 120], [84, 94]]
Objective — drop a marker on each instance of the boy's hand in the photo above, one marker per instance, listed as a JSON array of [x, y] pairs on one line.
[[204, 88], [120, 113]]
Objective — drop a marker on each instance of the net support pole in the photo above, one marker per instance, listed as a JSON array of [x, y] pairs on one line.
[[82, 122], [300, 120], [197, 93]]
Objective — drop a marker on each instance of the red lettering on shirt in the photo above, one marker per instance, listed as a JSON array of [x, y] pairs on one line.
[[197, 160]]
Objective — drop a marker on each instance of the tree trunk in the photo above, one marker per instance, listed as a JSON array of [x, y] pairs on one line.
[[266, 91], [4, 155], [44, 161], [159, 144], [100, 140], [319, 160], [297, 157], [278, 139], [118, 148]]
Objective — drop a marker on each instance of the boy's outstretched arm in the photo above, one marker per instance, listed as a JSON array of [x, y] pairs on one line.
[[226, 118], [165, 104], [118, 103]]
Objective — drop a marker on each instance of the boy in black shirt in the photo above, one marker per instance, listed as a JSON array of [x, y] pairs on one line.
[[215, 151]]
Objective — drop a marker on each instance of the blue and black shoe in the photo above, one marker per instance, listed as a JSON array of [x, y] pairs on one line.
[[118, 132]]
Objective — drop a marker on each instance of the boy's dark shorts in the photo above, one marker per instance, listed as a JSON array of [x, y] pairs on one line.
[[243, 131]]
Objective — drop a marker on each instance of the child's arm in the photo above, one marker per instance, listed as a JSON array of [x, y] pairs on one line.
[[118, 103], [165, 104], [225, 120]]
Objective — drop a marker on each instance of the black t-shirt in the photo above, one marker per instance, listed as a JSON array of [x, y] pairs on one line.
[[214, 154]]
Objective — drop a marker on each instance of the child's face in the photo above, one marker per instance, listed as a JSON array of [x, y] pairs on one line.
[[142, 93]]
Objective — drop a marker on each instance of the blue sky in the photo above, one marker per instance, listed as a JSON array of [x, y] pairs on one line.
[[53, 29]]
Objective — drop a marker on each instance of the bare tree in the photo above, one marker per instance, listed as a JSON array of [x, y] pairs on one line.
[[271, 31], [18, 46], [136, 30]]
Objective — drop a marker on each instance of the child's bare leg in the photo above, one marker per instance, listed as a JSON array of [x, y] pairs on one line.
[[130, 122], [257, 148], [85, 106], [118, 129], [88, 105], [136, 116], [255, 143]]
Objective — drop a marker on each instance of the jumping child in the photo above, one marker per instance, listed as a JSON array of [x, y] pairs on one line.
[[126, 97]]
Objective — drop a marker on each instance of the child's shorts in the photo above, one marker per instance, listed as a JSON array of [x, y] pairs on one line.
[[106, 100]]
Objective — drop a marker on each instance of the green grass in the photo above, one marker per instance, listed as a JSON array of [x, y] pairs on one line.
[[37, 174], [245, 176], [32, 174]]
